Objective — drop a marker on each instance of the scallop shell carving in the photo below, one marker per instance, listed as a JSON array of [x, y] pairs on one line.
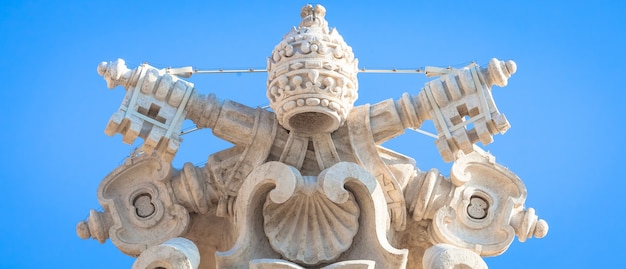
[[309, 228]]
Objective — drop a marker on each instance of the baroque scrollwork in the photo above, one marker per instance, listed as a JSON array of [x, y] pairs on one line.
[[139, 210], [310, 218], [309, 184], [479, 214]]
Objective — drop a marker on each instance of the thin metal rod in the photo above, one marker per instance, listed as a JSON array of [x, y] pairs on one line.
[[222, 71], [361, 70], [189, 130], [397, 71], [428, 70], [429, 134]]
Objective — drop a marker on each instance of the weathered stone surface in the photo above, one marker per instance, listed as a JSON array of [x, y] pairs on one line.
[[442, 256], [177, 253], [308, 185]]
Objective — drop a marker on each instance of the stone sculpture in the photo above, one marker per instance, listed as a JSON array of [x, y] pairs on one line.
[[307, 185]]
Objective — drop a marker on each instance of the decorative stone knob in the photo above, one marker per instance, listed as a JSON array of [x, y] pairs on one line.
[[115, 73], [541, 229], [498, 72], [96, 226], [527, 225]]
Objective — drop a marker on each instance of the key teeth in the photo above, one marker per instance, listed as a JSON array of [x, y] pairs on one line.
[[131, 133], [445, 151], [484, 136], [155, 135], [463, 140], [163, 146], [167, 148], [502, 124], [145, 86], [115, 122], [172, 147]]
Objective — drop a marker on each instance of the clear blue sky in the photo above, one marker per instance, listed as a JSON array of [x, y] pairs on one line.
[[566, 104]]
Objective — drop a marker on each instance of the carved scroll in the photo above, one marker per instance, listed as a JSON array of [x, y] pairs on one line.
[[486, 209], [350, 188], [139, 211]]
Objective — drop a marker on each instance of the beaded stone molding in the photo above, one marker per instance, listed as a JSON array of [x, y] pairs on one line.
[[312, 82]]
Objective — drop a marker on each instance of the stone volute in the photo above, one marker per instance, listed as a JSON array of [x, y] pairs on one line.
[[308, 184]]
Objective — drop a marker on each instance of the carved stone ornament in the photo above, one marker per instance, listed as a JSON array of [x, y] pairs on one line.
[[342, 184], [177, 253], [139, 211], [310, 218], [308, 184], [311, 80], [487, 208]]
